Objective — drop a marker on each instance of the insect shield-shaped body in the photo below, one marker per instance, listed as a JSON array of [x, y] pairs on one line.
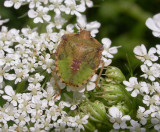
[[77, 58]]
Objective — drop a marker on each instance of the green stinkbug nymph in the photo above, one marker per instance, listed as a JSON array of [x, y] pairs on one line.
[[78, 57]]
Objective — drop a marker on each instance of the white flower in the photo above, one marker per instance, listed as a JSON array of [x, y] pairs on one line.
[[47, 63], [17, 3], [141, 115], [53, 113], [36, 79], [136, 127], [36, 116], [17, 127], [24, 103], [60, 127], [34, 3], [135, 87], [151, 100], [108, 51], [106, 61], [59, 21], [21, 74], [21, 118], [154, 24], [150, 72], [57, 6], [49, 94], [40, 14], [78, 121], [46, 123], [154, 87], [4, 74], [117, 118], [92, 26], [10, 110], [156, 121], [11, 95], [147, 58], [72, 8]]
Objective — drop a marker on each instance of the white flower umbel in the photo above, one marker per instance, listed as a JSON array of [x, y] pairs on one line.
[[154, 24], [117, 118], [146, 57]]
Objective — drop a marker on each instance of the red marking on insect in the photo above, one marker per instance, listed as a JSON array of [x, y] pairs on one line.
[[76, 65]]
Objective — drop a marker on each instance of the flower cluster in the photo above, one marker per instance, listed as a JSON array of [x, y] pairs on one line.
[[150, 88], [39, 10], [27, 87]]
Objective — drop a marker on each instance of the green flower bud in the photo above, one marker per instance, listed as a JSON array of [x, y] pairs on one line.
[[89, 126], [114, 74], [96, 110], [112, 93]]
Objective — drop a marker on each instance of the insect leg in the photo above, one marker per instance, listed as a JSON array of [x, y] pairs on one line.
[[56, 83], [97, 80]]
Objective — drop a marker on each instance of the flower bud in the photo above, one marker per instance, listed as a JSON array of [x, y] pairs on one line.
[[89, 126], [96, 110], [114, 74], [112, 93]]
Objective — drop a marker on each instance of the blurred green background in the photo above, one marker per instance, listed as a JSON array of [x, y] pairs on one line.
[[123, 21]]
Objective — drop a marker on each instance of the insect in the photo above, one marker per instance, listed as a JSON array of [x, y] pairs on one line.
[[78, 57]]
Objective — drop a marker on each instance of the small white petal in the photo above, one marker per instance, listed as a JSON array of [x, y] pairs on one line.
[[37, 20], [9, 90], [47, 18], [8, 3], [90, 86], [116, 126], [107, 42], [17, 5], [1, 79], [8, 76], [32, 13]]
